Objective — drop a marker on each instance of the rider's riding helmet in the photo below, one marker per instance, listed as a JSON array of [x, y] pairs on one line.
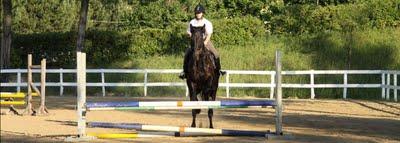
[[199, 9]]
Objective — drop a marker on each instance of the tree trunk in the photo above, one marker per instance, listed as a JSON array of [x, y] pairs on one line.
[[6, 38], [82, 25]]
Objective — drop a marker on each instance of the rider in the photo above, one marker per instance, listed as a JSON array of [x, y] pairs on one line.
[[199, 21]]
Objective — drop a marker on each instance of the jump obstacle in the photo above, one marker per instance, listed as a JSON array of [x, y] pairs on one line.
[[83, 107], [138, 105], [8, 97]]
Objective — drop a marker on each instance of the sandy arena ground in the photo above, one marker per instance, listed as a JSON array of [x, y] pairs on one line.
[[304, 120]]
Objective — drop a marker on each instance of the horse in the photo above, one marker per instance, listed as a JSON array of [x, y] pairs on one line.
[[203, 75]]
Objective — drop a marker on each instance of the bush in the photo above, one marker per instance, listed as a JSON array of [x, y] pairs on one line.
[[106, 46], [299, 19]]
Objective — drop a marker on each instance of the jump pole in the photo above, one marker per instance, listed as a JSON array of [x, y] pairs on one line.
[[159, 105], [180, 129]]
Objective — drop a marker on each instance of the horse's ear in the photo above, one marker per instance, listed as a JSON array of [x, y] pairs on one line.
[[191, 28]]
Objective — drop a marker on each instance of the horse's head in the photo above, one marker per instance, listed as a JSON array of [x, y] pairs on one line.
[[197, 39]]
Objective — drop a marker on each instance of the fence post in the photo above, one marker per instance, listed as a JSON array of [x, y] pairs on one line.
[[145, 83], [312, 84], [61, 82], [395, 85], [187, 90], [345, 86], [278, 108], [81, 91], [383, 85], [227, 85], [103, 88], [271, 91], [19, 81], [388, 89]]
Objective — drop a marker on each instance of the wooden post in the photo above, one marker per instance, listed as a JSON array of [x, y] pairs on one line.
[[42, 108], [28, 99], [81, 69], [227, 85], [103, 88], [271, 90], [395, 85], [19, 81], [187, 90], [61, 82], [278, 90], [81, 75], [81, 91], [145, 83], [388, 89], [312, 84], [383, 85], [345, 86]]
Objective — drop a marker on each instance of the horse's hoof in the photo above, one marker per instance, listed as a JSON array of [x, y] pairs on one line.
[[222, 72], [193, 126], [182, 76]]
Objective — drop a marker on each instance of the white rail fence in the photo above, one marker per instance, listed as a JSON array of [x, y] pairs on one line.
[[389, 80]]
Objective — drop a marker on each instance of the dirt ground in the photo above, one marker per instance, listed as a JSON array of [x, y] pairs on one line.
[[303, 120]]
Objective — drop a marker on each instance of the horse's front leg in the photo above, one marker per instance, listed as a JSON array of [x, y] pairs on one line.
[[211, 111], [193, 97], [206, 97]]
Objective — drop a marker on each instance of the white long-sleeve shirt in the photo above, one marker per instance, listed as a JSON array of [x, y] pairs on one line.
[[200, 23]]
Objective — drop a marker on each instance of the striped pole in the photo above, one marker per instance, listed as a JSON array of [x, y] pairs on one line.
[[15, 94], [2, 102], [171, 108], [12, 95], [137, 105], [188, 130], [143, 135]]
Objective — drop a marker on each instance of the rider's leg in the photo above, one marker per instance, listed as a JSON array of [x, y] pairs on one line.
[[210, 47]]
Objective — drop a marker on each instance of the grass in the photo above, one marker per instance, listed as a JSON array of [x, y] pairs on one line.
[[373, 49]]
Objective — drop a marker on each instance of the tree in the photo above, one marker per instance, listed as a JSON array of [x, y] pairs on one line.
[[6, 36]]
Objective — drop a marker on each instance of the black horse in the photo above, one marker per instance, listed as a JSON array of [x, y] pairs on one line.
[[203, 75]]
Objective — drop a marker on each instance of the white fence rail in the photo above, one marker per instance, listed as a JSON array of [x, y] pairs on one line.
[[388, 83]]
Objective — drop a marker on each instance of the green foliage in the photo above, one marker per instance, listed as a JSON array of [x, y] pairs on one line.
[[299, 19], [44, 16], [237, 31], [106, 46]]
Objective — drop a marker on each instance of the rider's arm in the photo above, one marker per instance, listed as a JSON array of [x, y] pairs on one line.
[[209, 31], [208, 37]]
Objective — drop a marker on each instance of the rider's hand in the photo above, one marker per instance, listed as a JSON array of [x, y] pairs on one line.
[[205, 42]]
